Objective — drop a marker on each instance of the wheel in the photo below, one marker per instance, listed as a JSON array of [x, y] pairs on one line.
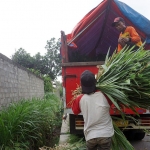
[[139, 135], [129, 134], [134, 134]]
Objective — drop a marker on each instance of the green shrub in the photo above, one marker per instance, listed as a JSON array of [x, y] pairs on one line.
[[30, 124], [47, 84]]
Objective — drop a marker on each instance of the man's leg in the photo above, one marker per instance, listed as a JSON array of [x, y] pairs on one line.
[[130, 44], [104, 143], [91, 144]]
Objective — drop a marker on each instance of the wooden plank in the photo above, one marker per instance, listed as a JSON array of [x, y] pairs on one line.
[[82, 63], [64, 47]]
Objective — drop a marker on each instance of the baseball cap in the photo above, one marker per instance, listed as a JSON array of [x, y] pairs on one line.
[[88, 82], [116, 20]]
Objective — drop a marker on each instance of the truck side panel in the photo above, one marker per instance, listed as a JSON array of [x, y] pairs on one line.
[[71, 79]]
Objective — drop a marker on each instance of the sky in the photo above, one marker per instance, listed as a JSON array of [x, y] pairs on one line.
[[28, 24]]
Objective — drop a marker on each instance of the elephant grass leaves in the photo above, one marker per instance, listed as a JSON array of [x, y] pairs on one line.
[[124, 78]]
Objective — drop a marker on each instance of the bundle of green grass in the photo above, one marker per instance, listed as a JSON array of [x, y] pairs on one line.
[[124, 78]]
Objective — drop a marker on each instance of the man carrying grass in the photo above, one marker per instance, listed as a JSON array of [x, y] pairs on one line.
[[128, 35], [98, 127]]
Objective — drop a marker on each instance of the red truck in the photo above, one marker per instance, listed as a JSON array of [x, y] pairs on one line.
[[85, 48]]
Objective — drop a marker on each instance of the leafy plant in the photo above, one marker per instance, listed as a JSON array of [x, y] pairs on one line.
[[124, 78], [75, 138], [48, 87], [29, 124], [119, 140]]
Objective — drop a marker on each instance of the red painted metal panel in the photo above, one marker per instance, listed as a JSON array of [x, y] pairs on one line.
[[114, 111], [71, 79]]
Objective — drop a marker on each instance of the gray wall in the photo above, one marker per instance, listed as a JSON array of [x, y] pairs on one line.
[[16, 82]]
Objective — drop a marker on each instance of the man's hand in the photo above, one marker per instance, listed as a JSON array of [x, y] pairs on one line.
[[125, 39], [122, 41]]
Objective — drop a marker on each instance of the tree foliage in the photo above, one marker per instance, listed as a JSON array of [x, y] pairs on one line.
[[49, 64], [52, 59], [48, 87], [23, 58]]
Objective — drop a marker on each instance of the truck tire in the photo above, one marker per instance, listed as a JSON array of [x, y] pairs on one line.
[[129, 134], [139, 135], [135, 134]]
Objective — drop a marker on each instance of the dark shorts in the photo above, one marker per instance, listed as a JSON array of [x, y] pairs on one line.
[[130, 45], [102, 143]]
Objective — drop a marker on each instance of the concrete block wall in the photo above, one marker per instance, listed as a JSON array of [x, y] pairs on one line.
[[16, 82]]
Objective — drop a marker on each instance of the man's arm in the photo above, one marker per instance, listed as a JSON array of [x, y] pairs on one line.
[[119, 48], [131, 41], [76, 105], [134, 36], [121, 43]]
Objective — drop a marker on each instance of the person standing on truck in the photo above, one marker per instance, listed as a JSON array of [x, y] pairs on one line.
[[94, 106], [128, 35]]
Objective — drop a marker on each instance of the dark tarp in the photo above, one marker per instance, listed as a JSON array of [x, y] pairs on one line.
[[93, 35]]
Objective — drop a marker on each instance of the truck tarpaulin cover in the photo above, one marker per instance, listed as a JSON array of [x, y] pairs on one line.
[[94, 35]]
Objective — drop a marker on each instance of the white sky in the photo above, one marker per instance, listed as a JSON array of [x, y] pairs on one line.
[[30, 23]]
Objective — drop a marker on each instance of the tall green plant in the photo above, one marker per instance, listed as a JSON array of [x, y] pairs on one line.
[[47, 84], [30, 124], [124, 78]]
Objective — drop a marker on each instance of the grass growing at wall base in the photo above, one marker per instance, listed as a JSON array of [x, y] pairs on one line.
[[30, 124]]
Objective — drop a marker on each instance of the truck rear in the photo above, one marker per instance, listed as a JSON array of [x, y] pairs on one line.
[[71, 72], [86, 47]]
